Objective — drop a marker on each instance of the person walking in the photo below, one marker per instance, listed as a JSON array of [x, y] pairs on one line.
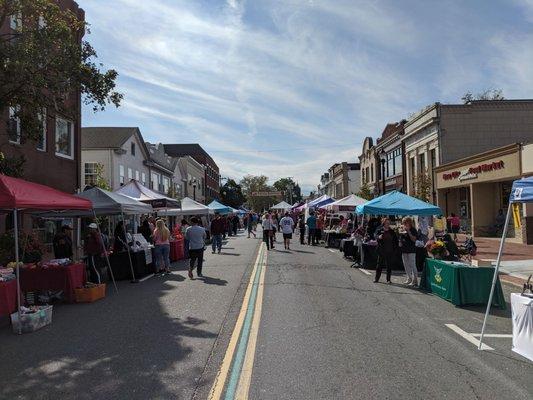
[[455, 224], [218, 227], [287, 228], [267, 225], [311, 225], [301, 226], [161, 237], [387, 246], [196, 235], [407, 244], [250, 225], [235, 224]]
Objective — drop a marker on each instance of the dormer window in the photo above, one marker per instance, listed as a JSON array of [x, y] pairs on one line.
[[132, 149]]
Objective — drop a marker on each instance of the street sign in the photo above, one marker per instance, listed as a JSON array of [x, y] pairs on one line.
[[267, 194]]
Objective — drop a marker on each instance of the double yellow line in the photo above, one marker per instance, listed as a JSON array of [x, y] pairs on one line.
[[235, 375]]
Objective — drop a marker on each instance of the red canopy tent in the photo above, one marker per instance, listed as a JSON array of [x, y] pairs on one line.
[[18, 194]]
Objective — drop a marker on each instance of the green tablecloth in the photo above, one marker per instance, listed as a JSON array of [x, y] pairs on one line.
[[461, 284]]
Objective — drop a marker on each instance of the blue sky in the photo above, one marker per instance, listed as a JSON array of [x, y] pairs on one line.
[[289, 87]]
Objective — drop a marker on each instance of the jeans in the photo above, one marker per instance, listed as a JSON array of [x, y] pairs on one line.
[[386, 259], [162, 251], [197, 256], [268, 238], [409, 263], [302, 236], [311, 236], [216, 243]]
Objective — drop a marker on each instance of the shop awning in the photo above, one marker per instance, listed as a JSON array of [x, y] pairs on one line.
[[21, 194], [138, 191], [522, 191], [397, 203], [188, 207]]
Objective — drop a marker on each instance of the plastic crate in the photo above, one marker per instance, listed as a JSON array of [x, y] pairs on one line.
[[32, 322], [90, 295]]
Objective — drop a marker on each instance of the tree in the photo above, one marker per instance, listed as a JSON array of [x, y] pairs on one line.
[[488, 94], [231, 194], [365, 192], [101, 182], [45, 67], [250, 184], [291, 190], [12, 166], [422, 184]]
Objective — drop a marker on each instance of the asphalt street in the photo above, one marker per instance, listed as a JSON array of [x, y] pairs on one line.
[[325, 331]]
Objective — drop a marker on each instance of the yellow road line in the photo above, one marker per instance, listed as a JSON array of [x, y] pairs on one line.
[[246, 372], [220, 379]]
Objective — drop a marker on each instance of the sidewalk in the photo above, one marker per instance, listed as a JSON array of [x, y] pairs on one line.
[[517, 259]]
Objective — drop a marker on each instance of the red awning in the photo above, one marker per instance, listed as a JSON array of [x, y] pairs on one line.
[[21, 194]]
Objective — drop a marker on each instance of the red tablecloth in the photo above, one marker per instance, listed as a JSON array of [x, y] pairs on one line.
[[54, 278], [8, 298], [176, 250]]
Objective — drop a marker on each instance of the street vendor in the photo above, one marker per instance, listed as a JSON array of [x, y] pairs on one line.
[[63, 243]]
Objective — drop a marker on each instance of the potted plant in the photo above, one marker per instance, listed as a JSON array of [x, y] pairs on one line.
[[438, 249]]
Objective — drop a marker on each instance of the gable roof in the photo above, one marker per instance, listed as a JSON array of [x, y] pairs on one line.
[[105, 137], [160, 158], [187, 149]]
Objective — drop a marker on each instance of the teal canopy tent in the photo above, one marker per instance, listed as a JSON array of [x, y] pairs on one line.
[[397, 203], [219, 207]]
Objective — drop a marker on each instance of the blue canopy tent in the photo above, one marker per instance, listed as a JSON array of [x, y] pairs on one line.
[[522, 192], [397, 203], [219, 208], [320, 201]]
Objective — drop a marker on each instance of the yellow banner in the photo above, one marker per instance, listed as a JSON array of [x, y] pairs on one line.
[[516, 216]]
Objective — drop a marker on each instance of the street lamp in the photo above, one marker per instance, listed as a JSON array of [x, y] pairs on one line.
[[383, 159]]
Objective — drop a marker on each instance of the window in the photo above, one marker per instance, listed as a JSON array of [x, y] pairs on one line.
[[433, 157], [132, 149], [166, 184], [143, 179], [64, 138], [121, 174], [90, 173], [41, 142], [130, 174], [155, 181], [413, 171], [422, 162], [14, 125], [136, 175], [15, 21], [371, 173], [394, 163]]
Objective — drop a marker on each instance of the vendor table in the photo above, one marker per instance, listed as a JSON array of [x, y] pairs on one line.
[[460, 283], [177, 250], [522, 312], [120, 264], [8, 298], [333, 239], [65, 278]]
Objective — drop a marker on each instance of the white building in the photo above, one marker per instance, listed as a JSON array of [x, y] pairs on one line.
[[122, 153]]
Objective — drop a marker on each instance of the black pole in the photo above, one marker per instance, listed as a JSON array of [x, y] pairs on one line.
[[383, 174]]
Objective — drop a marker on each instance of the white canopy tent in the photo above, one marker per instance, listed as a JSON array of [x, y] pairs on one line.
[[138, 191], [188, 207], [347, 203], [282, 206]]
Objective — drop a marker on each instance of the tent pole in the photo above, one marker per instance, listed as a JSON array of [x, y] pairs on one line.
[[133, 280], [106, 256], [16, 226], [496, 269]]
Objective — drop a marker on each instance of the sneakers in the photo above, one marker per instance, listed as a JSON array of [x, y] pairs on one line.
[[219, 251], [213, 251], [414, 283], [200, 276], [190, 274], [408, 281]]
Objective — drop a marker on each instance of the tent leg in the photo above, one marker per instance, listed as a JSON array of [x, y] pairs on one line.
[[133, 280], [16, 226], [496, 269], [106, 256]]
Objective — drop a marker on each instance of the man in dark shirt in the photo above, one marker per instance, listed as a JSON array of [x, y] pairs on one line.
[[218, 227], [63, 243]]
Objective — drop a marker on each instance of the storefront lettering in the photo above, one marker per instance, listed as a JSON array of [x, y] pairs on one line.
[[473, 172]]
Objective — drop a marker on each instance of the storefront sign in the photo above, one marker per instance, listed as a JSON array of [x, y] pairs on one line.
[[472, 172]]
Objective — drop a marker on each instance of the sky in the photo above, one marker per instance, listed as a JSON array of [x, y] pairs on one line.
[[290, 87]]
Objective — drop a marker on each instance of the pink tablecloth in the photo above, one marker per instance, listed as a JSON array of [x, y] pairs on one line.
[[176, 250], [54, 278], [8, 298]]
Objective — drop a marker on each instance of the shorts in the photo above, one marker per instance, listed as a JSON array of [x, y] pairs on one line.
[[287, 236]]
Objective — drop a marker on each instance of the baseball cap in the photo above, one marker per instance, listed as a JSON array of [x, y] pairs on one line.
[[93, 226]]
